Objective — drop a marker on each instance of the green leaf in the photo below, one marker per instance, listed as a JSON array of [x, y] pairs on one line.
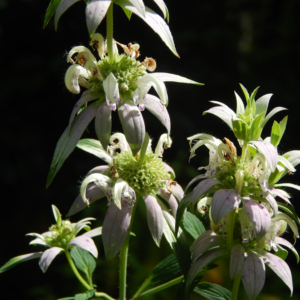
[[240, 129], [275, 134], [127, 12], [94, 147], [252, 101], [193, 225], [84, 261], [163, 272], [282, 253], [85, 296], [50, 11], [19, 259], [256, 127], [245, 92], [290, 210], [212, 291], [282, 125], [86, 1]]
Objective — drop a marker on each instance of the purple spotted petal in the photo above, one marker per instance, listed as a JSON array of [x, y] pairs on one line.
[[253, 274], [93, 232], [199, 177], [223, 202], [100, 169], [202, 188], [103, 124], [155, 218], [154, 105], [279, 193], [280, 268], [259, 217], [48, 256], [268, 151], [85, 243], [69, 139], [170, 199], [93, 193], [168, 77], [205, 241], [133, 126], [95, 12], [261, 104], [236, 260], [177, 191], [62, 7], [85, 97], [115, 229]]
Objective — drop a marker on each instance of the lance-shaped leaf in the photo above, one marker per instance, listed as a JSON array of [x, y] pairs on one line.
[[211, 291], [253, 274], [115, 229], [62, 7], [236, 260], [261, 104], [192, 225], [95, 12], [259, 217], [50, 11], [168, 77], [94, 147], [223, 202], [155, 218], [240, 108], [268, 151], [280, 268], [19, 259], [271, 114], [205, 241], [69, 139], [85, 243], [154, 105], [154, 21], [103, 124], [200, 263], [48, 256], [133, 126]]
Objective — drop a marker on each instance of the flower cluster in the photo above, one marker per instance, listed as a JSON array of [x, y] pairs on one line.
[[120, 83], [61, 237], [240, 191], [126, 178]]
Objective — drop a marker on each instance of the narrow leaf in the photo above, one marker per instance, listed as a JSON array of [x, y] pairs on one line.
[[211, 291], [62, 7], [193, 225], [50, 11], [275, 134]]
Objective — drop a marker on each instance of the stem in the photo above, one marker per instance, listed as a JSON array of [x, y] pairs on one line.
[[103, 295], [74, 269], [235, 288], [159, 288], [244, 151], [109, 32], [124, 258], [230, 230]]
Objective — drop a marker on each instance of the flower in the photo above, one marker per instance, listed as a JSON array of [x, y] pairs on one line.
[[122, 182], [60, 238], [121, 85], [96, 11]]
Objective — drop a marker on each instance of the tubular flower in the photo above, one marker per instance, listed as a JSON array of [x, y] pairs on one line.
[[119, 85], [122, 181], [61, 237], [239, 192]]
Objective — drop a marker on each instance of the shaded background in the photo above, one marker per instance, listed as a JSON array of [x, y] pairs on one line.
[[221, 43]]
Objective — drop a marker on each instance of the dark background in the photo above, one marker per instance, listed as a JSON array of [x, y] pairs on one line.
[[221, 43]]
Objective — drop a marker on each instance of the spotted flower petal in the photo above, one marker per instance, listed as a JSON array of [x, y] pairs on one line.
[[85, 243], [236, 260], [111, 89], [72, 78], [48, 256]]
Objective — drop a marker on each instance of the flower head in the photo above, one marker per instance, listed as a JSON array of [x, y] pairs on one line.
[[61, 237], [127, 178]]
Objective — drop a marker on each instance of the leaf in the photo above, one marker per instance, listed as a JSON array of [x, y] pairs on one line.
[[193, 225], [50, 11], [85, 296], [282, 125], [69, 139], [18, 259], [163, 272], [275, 134], [94, 147], [240, 129], [62, 7], [282, 253], [212, 291], [127, 12], [84, 261], [256, 128], [289, 209]]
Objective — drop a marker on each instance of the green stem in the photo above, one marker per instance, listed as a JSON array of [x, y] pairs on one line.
[[235, 288], [109, 32], [230, 230], [103, 295], [124, 258], [160, 287], [74, 269], [244, 151]]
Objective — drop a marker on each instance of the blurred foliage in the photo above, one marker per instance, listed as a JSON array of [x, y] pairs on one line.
[[221, 43]]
